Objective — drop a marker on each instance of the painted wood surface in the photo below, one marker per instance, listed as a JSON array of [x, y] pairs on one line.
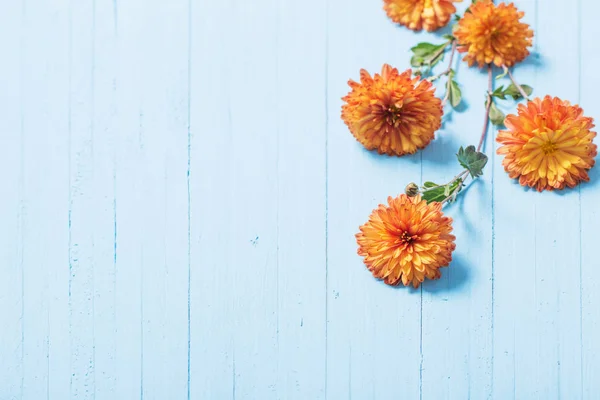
[[180, 198]]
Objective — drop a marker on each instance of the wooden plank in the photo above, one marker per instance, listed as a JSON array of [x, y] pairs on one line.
[[301, 122], [373, 332], [457, 308], [590, 217], [128, 212], [106, 131], [212, 373], [81, 199], [12, 31], [53, 155], [164, 193]]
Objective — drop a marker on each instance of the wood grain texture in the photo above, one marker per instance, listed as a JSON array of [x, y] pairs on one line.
[[11, 202], [180, 198], [301, 205], [128, 188], [211, 203]]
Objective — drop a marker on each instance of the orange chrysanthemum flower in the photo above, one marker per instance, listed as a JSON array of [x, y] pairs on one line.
[[407, 241], [491, 33], [548, 145], [419, 14], [393, 113]]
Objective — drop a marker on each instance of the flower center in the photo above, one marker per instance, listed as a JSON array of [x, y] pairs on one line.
[[394, 114], [549, 147], [406, 237]]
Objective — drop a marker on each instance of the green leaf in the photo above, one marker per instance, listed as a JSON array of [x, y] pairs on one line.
[[438, 193], [513, 91], [448, 37], [429, 185], [499, 93], [472, 160], [416, 61], [425, 49], [455, 95], [427, 54], [496, 116], [435, 60], [527, 89]]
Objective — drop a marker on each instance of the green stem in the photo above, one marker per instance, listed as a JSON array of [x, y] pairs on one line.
[[457, 177], [519, 88], [464, 174], [459, 187], [488, 105], [449, 69]]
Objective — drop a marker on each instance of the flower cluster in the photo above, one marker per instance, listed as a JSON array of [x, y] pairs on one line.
[[407, 241], [493, 34], [419, 14], [547, 144], [392, 113]]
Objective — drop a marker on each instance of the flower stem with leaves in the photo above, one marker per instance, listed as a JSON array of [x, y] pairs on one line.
[[428, 55], [488, 106], [514, 90], [425, 57], [448, 70], [524, 90], [470, 159]]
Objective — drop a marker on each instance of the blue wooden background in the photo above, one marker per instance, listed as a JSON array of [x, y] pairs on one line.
[[180, 198]]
